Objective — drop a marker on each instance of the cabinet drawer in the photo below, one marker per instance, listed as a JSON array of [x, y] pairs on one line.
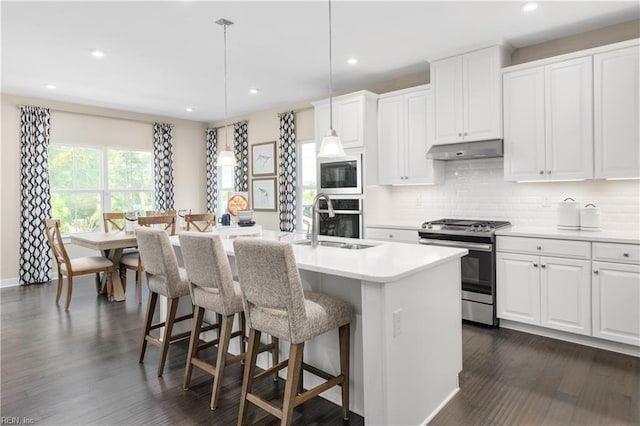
[[544, 246], [621, 253], [390, 234]]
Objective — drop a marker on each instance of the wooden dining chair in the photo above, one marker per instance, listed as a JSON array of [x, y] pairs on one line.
[[74, 267], [132, 260], [201, 222], [161, 213], [113, 221]]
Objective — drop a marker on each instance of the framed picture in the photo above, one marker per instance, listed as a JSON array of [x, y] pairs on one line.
[[263, 157], [264, 194]]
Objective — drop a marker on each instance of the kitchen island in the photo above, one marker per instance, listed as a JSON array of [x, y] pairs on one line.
[[406, 337]]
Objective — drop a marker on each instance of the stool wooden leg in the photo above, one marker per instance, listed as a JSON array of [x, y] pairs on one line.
[[345, 346], [293, 375], [247, 380], [243, 327], [275, 355], [59, 292], [221, 359], [69, 291], [168, 328], [198, 314], [151, 307]]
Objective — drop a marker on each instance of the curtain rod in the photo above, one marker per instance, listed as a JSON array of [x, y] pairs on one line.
[[89, 114], [296, 111]]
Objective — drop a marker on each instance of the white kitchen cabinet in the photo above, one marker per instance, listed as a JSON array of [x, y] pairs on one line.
[[616, 113], [404, 137], [392, 234], [468, 96], [354, 119], [549, 121], [537, 289]]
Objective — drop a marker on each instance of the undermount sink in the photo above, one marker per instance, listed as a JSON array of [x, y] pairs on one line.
[[338, 244]]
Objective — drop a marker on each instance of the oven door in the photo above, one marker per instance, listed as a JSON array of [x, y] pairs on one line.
[[340, 175], [478, 270], [347, 221]]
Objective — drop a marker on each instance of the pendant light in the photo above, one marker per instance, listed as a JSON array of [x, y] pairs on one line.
[[226, 157], [331, 145]]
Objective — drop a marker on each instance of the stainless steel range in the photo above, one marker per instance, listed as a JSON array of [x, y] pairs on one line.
[[478, 267]]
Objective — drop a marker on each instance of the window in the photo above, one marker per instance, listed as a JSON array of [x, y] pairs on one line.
[[306, 183], [85, 181], [225, 185]]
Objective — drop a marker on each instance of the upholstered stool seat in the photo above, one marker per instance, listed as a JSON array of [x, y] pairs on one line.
[[164, 278], [275, 303], [213, 289]]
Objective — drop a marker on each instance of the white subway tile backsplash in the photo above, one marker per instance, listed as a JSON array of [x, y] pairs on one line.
[[476, 189]]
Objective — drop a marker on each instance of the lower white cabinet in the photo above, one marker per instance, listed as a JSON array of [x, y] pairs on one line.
[[392, 234], [616, 302], [546, 291]]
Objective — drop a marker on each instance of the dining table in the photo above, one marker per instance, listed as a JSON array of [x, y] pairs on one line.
[[111, 244]]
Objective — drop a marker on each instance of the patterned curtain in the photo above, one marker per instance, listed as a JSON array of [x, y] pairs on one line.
[[212, 170], [287, 167], [241, 151], [163, 166], [35, 197]]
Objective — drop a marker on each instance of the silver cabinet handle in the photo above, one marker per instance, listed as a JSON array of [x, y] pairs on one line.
[[595, 271], [465, 133], [535, 265], [541, 172], [390, 235], [543, 265], [539, 247], [459, 134], [625, 254], [548, 172]]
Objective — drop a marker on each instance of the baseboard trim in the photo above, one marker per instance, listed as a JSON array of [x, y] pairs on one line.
[[442, 404], [9, 282], [573, 338]]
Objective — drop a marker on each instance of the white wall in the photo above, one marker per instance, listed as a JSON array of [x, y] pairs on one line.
[[475, 189]]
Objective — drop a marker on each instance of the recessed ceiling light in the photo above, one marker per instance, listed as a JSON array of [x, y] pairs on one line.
[[50, 86], [530, 7], [97, 53], [253, 91], [189, 109], [352, 61]]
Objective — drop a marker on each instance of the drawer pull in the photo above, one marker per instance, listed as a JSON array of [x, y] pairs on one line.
[[625, 254], [390, 235], [595, 271], [539, 247], [543, 265], [535, 265]]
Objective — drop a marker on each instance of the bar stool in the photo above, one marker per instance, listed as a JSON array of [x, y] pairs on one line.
[[213, 288], [164, 278], [274, 303]]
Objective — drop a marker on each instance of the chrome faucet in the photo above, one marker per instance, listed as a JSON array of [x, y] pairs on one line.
[[315, 226]]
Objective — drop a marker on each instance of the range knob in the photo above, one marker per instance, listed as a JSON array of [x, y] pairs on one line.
[[487, 228]]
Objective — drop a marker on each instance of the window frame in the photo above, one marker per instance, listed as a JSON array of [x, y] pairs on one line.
[[300, 188]]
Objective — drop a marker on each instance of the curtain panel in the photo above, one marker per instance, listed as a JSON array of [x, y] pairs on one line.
[[241, 151], [288, 172], [212, 170], [163, 166], [35, 195]]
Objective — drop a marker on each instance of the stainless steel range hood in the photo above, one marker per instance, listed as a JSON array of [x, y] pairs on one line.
[[466, 150]]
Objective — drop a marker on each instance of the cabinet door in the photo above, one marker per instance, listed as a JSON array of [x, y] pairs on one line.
[[616, 302], [616, 82], [524, 139], [569, 119], [347, 117], [482, 112], [391, 168], [518, 287], [446, 78], [565, 294], [418, 139]]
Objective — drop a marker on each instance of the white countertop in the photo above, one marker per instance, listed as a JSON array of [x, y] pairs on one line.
[[408, 226], [607, 236], [386, 262]]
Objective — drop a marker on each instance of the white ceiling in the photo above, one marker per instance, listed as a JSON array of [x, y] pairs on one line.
[[162, 57]]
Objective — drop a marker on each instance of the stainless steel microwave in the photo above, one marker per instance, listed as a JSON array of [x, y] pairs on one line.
[[341, 175]]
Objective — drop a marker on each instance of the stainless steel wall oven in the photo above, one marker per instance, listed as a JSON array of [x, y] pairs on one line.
[[347, 221]]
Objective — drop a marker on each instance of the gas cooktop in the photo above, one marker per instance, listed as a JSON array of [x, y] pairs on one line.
[[463, 226]]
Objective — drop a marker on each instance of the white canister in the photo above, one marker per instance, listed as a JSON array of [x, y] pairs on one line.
[[568, 214], [589, 218]]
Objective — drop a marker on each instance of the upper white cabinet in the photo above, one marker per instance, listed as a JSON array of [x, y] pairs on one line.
[[548, 131], [354, 118], [404, 137], [468, 96], [616, 113]]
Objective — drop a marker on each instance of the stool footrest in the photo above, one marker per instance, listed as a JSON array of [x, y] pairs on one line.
[[266, 406], [307, 395], [279, 366]]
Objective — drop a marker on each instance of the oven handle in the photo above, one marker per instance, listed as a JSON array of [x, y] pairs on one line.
[[341, 211], [457, 244]]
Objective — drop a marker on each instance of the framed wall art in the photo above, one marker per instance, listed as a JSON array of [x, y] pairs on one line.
[[264, 194], [263, 159]]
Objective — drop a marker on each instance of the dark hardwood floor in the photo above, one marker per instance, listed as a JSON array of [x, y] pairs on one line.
[[81, 367]]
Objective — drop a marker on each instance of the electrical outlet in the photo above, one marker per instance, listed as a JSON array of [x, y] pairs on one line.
[[397, 323]]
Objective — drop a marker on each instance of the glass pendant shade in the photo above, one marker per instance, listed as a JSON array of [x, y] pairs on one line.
[[226, 158], [331, 146]]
